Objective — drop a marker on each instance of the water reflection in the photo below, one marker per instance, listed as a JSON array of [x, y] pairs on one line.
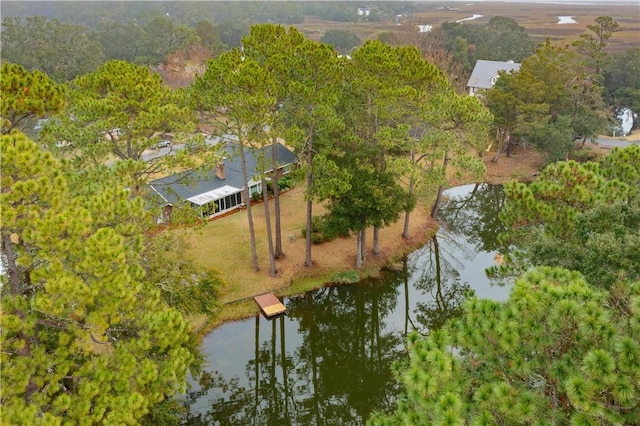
[[442, 291], [328, 360]]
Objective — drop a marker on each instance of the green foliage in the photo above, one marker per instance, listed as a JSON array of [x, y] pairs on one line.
[[502, 39], [86, 337], [624, 165], [119, 111], [285, 182], [167, 413], [185, 286], [342, 40], [556, 352], [622, 81], [533, 104], [159, 37], [326, 228], [554, 139], [346, 277], [583, 217], [63, 51], [26, 96], [594, 44]]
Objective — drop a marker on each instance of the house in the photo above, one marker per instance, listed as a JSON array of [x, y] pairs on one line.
[[218, 190], [485, 74]]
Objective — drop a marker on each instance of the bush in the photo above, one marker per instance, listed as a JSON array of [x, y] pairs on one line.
[[317, 238], [255, 196], [346, 277], [325, 228], [285, 183], [584, 155]]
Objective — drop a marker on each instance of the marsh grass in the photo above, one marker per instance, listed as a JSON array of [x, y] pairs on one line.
[[539, 19]]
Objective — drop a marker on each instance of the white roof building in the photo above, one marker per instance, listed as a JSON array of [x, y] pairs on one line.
[[485, 74]]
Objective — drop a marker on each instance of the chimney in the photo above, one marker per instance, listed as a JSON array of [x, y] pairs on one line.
[[220, 170]]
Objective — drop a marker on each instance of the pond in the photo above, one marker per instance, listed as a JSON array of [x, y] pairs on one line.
[[328, 360]]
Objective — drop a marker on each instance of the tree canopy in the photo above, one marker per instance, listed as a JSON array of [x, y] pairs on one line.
[[26, 96], [584, 217], [622, 80], [557, 351], [86, 337], [343, 40], [551, 100], [501, 39], [61, 50], [120, 111]]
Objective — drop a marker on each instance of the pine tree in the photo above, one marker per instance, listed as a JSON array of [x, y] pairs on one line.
[[556, 352], [86, 339], [27, 95], [583, 217]]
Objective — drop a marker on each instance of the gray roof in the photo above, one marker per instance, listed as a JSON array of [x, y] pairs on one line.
[[485, 70], [191, 183]]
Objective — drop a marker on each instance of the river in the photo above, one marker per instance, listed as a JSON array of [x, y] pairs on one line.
[[328, 360]]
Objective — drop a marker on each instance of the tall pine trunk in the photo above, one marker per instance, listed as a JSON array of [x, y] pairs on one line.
[[308, 261], [363, 245], [276, 200], [247, 194], [436, 204], [359, 249], [505, 141], [267, 217], [376, 241], [407, 212]]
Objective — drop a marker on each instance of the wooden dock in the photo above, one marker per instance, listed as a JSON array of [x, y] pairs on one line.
[[270, 305]]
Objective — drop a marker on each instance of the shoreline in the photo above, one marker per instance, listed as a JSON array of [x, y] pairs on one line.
[[305, 280]]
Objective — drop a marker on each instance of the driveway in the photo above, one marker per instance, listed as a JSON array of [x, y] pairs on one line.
[[605, 142]]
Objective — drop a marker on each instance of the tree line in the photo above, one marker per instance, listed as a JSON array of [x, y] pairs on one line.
[[66, 40]]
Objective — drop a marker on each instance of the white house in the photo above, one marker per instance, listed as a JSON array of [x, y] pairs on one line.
[[485, 74]]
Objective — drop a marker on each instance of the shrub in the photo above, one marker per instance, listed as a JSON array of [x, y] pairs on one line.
[[346, 277], [284, 183], [317, 238], [584, 155], [325, 228]]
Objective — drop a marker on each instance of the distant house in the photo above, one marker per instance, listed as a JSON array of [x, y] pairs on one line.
[[485, 74], [366, 11], [214, 191]]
